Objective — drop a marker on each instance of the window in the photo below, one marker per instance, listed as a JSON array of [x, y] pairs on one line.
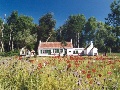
[[75, 52], [56, 50], [22, 52]]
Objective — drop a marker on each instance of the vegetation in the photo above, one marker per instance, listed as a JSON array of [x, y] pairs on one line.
[[19, 31], [57, 73]]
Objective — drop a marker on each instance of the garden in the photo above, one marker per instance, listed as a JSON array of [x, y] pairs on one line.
[[60, 73]]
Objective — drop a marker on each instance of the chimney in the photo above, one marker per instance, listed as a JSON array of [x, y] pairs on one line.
[[71, 40], [40, 42], [91, 44]]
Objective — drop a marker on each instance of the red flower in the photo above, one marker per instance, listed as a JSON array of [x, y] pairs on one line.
[[20, 57], [68, 61], [109, 73], [87, 66], [88, 76], [83, 72], [39, 66], [93, 70], [68, 66]]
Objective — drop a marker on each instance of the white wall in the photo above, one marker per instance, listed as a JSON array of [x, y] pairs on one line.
[[70, 51], [95, 51]]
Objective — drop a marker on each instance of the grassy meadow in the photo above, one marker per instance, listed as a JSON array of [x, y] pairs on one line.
[[60, 73]]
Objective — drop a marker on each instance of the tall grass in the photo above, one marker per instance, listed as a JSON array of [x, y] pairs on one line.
[[58, 73]]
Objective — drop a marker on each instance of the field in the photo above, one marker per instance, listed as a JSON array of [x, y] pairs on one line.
[[60, 73]]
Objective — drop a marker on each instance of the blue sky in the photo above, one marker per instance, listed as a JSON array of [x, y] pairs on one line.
[[61, 8]]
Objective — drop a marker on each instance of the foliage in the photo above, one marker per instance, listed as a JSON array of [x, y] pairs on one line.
[[113, 20], [90, 29], [10, 53], [73, 26], [46, 27]]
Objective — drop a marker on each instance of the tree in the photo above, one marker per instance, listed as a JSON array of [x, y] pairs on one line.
[[24, 27], [113, 20], [20, 28], [12, 23], [90, 29], [46, 27], [1, 35], [73, 29], [100, 37]]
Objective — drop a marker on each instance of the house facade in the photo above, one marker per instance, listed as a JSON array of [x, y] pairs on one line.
[[54, 49], [57, 49]]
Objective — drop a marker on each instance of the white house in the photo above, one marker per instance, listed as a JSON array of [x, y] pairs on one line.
[[57, 49], [54, 49]]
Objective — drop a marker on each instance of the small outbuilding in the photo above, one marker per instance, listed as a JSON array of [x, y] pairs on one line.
[[27, 53]]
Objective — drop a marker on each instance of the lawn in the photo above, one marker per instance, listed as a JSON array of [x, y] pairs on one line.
[[60, 73]]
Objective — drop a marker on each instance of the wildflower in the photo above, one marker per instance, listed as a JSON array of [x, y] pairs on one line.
[[93, 70], [98, 83], [83, 72], [91, 81], [68, 61], [88, 76], [39, 66], [20, 57], [109, 73]]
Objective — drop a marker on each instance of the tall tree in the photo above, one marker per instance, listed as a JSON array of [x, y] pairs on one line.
[[100, 37], [113, 19], [46, 27], [12, 23], [73, 29], [1, 35], [24, 27], [19, 31], [90, 29]]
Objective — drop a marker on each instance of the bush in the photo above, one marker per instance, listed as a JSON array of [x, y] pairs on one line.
[[11, 53]]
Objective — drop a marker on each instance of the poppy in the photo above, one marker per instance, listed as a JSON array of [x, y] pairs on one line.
[[83, 72], [88, 76], [93, 70], [39, 66]]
